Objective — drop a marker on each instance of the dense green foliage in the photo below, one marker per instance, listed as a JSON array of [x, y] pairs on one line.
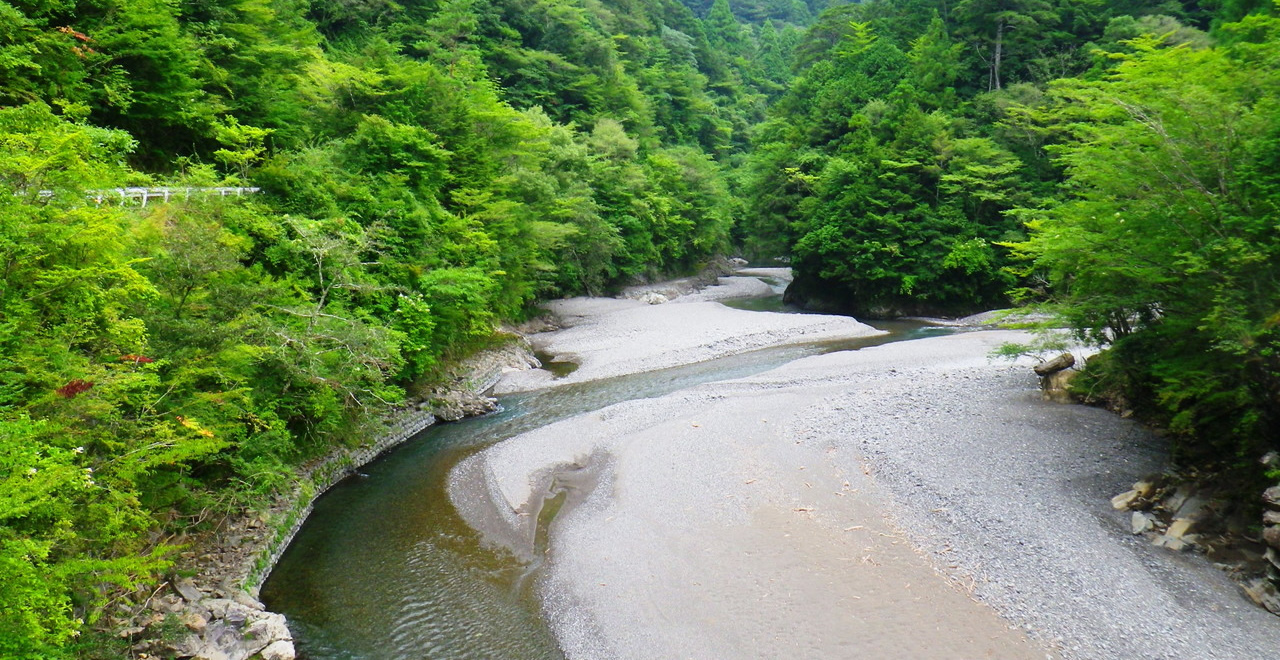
[[1116, 162], [888, 170], [431, 168], [1166, 241], [428, 169]]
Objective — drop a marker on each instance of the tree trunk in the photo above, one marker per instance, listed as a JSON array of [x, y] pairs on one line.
[[996, 55]]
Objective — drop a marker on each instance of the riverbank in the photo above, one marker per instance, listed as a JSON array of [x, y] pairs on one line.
[[909, 500], [609, 337], [850, 504], [210, 608], [213, 596]]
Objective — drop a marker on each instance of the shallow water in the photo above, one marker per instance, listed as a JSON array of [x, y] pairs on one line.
[[558, 368], [385, 567]]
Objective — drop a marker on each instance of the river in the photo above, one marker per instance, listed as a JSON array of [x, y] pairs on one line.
[[916, 500], [385, 567]]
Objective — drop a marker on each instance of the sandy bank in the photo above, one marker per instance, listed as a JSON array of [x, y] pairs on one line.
[[764, 518], [722, 522], [609, 337]]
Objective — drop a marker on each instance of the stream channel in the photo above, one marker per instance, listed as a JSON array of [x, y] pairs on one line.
[[385, 568]]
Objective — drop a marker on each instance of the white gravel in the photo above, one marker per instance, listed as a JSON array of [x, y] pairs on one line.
[[729, 288], [1014, 493], [912, 500], [609, 337], [721, 525], [722, 522]]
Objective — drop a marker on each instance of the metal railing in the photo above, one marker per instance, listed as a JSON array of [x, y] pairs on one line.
[[143, 195]]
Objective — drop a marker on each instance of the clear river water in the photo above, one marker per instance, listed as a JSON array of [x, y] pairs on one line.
[[385, 568]]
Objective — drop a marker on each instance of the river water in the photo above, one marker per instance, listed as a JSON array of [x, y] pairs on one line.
[[385, 568]]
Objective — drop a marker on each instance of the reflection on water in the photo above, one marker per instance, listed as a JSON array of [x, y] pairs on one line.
[[764, 304], [385, 567], [558, 368]]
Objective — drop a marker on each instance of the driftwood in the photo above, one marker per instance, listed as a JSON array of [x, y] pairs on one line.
[[1064, 361]]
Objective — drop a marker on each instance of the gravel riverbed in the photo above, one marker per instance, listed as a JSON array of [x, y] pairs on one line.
[[916, 499], [1012, 493], [608, 337], [724, 521]]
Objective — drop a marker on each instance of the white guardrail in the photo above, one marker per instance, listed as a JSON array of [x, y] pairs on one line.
[[143, 195]]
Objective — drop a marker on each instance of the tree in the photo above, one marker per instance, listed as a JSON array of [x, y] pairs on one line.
[[935, 65], [991, 23], [322, 340], [79, 433], [723, 29], [1165, 245], [426, 171]]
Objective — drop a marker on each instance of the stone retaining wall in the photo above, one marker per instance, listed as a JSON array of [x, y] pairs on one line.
[[326, 475], [219, 607]]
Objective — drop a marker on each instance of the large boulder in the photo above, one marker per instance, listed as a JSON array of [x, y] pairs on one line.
[[1271, 497], [1264, 593], [237, 631], [281, 650], [1055, 378], [1271, 534]]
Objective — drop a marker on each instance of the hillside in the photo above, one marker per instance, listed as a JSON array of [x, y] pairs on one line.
[[428, 169]]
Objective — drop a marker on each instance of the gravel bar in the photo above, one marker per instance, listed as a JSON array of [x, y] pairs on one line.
[[1012, 493], [913, 500]]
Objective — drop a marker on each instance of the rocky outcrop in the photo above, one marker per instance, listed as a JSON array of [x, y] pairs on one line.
[[1265, 590], [666, 291], [237, 632], [1180, 515], [453, 406], [460, 393], [202, 625], [1055, 378], [1188, 513]]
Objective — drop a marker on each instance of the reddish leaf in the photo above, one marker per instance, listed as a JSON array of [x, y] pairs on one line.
[[74, 387]]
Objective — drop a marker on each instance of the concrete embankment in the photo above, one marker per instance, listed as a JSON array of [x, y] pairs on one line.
[[217, 607]]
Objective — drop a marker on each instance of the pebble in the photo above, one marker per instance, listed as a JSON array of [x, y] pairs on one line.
[[998, 448]]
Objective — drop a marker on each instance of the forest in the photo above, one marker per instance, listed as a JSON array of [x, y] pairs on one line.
[[428, 169], [1112, 164]]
